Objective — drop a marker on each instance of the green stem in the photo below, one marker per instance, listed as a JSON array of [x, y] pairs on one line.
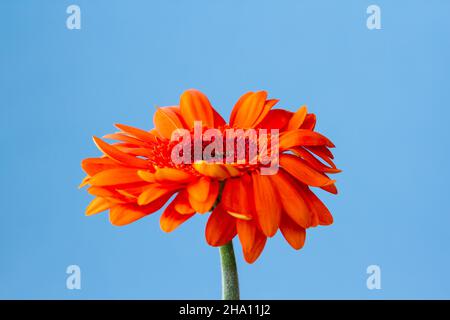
[[230, 283]]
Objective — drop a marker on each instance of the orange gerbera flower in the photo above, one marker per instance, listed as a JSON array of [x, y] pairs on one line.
[[137, 175]]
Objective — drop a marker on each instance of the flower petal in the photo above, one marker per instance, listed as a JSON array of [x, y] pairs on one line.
[[268, 105], [123, 214], [302, 137], [167, 120], [303, 172], [249, 110], [171, 218], [97, 205], [199, 189], [291, 200], [172, 175], [331, 188], [292, 232], [237, 197], [221, 227], [320, 212], [93, 166], [206, 205], [213, 170], [120, 156], [115, 176], [195, 106], [238, 105], [181, 203], [313, 161], [252, 240], [155, 191], [138, 133], [267, 205], [297, 119], [310, 122], [276, 119]]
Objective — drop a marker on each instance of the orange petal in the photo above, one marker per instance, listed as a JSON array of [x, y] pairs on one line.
[[324, 153], [213, 170], [153, 192], [167, 120], [119, 156], [206, 205], [292, 232], [125, 138], [237, 197], [331, 188], [84, 182], [249, 110], [115, 177], [221, 227], [138, 133], [303, 172], [199, 189], [171, 219], [94, 165], [310, 122], [291, 200], [238, 105], [181, 203], [101, 192], [268, 105], [297, 119], [172, 175], [313, 161], [302, 137], [252, 240], [276, 119], [320, 211], [97, 205], [266, 204], [195, 106], [231, 170], [123, 214], [147, 176]]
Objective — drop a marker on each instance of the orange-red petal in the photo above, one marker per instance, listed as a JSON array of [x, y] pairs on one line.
[[195, 106], [154, 191], [321, 214], [252, 240], [171, 218], [115, 176], [302, 137], [97, 205], [303, 172], [249, 110], [119, 156], [237, 197], [94, 165], [267, 205], [276, 119], [297, 119], [221, 227], [291, 200], [167, 120], [292, 232], [181, 203], [310, 122], [138, 133], [203, 206]]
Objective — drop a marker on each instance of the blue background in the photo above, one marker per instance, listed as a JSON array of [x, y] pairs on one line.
[[381, 95]]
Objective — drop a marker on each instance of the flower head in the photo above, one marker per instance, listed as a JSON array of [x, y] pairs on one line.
[[256, 172]]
